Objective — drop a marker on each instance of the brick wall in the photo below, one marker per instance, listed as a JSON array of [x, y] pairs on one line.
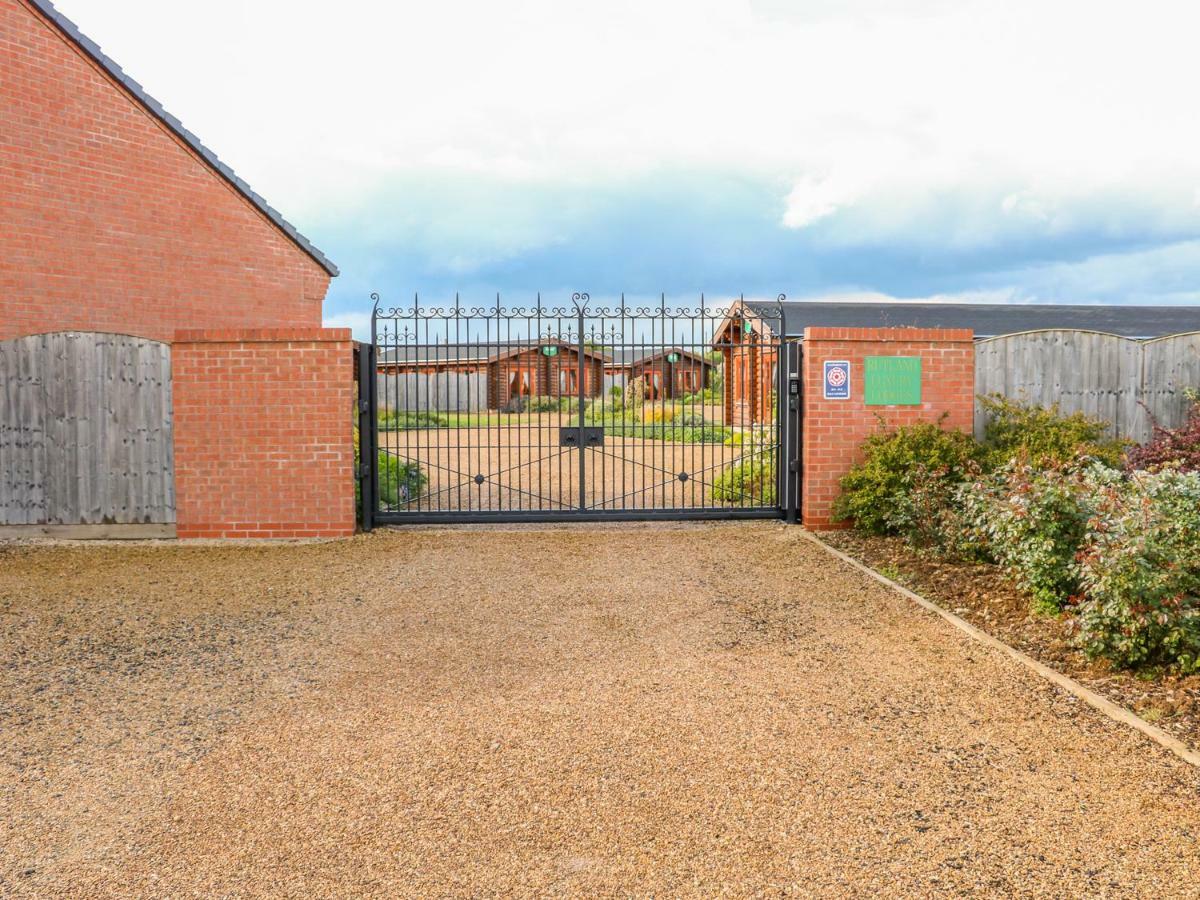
[[263, 433], [834, 429], [111, 223]]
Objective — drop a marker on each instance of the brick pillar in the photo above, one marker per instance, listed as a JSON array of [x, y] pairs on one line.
[[835, 429], [264, 433]]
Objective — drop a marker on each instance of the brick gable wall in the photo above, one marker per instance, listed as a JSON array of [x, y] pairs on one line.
[[111, 223]]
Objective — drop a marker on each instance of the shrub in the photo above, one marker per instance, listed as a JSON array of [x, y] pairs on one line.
[[706, 433], [874, 491], [542, 404], [391, 420], [690, 420], [1178, 447], [662, 424], [1141, 572], [400, 481], [1033, 521], [1044, 435], [928, 512], [706, 396], [750, 482]]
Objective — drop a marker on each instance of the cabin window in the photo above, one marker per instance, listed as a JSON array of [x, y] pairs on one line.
[[520, 382]]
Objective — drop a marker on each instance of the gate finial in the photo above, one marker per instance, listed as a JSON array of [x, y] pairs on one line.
[[374, 314]]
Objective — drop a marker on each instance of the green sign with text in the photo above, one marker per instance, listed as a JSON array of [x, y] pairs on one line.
[[892, 380]]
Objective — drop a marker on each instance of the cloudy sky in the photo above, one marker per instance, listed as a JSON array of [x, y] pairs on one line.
[[1024, 150]]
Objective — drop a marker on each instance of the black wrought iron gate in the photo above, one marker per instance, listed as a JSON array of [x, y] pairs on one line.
[[570, 412]]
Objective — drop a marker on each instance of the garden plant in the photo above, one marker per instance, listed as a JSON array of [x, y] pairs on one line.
[[1086, 526]]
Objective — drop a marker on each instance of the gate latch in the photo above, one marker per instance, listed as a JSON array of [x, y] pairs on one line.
[[593, 436]]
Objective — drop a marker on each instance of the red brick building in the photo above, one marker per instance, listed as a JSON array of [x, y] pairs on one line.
[[117, 221], [115, 217]]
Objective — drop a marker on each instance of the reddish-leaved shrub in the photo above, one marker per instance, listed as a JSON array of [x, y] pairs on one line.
[[1176, 447]]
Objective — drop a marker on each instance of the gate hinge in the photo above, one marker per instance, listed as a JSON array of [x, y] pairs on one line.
[[363, 471], [364, 406]]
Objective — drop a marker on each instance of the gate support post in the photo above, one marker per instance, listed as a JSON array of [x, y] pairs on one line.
[[791, 413], [367, 421]]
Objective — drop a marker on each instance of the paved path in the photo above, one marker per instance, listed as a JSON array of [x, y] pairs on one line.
[[619, 711]]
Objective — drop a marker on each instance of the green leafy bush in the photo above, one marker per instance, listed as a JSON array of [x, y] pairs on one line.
[[706, 396], [875, 492], [750, 482], [400, 481], [392, 420], [661, 424], [1044, 435], [1141, 572], [1033, 522], [928, 512], [551, 404], [707, 433]]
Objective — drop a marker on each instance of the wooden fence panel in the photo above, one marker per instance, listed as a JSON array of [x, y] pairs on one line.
[[1103, 375], [440, 392], [85, 430], [1170, 365]]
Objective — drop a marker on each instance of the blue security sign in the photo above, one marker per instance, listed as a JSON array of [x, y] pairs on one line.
[[837, 379]]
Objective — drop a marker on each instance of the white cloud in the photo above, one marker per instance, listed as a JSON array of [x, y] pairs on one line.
[[813, 199], [872, 106], [1027, 204], [358, 322]]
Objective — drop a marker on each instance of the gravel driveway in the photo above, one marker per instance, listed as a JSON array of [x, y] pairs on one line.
[[668, 710]]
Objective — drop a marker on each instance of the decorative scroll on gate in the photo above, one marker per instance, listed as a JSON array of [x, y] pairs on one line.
[[573, 412]]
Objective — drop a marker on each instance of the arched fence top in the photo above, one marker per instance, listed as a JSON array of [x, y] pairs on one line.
[[1106, 334], [80, 332], [1131, 383], [1033, 331], [1173, 337]]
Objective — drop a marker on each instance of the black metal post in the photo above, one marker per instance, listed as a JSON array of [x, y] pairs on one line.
[[794, 436], [372, 444], [366, 378], [581, 300]]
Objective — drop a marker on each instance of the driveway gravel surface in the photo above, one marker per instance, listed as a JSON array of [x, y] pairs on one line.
[[717, 709]]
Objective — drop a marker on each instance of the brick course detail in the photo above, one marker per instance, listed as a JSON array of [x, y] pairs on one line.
[[263, 433], [110, 222], [835, 429]]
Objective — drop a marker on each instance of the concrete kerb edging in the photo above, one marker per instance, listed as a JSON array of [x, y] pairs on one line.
[[1110, 709]]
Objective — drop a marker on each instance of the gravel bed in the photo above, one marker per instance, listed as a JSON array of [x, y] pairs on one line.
[[982, 594], [659, 710]]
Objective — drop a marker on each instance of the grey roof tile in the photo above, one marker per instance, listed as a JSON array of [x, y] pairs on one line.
[[987, 319]]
